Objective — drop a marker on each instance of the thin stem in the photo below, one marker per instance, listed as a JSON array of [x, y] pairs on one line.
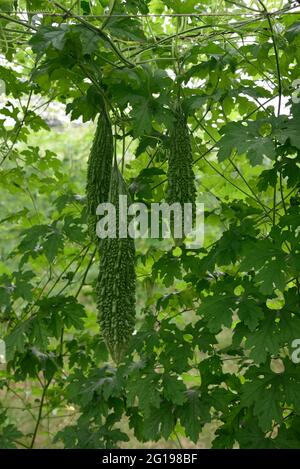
[[109, 15], [274, 206], [178, 440], [278, 204], [39, 417], [86, 272], [199, 28], [21, 399], [256, 198], [281, 193], [14, 20], [248, 185], [21, 444], [232, 183]]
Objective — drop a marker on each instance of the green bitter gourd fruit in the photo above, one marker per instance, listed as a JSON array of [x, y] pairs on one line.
[[181, 177], [99, 169], [116, 280]]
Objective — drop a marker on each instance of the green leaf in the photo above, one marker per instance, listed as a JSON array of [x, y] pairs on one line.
[[250, 313], [263, 394], [159, 422], [66, 308], [217, 311], [140, 388], [293, 31], [52, 245], [22, 287], [265, 340], [141, 116], [173, 389], [39, 333], [49, 36], [169, 268], [267, 259], [251, 436], [8, 435], [177, 6], [193, 414], [16, 339], [245, 139]]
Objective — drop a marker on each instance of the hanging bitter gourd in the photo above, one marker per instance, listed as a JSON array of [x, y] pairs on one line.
[[181, 177], [116, 280], [99, 169]]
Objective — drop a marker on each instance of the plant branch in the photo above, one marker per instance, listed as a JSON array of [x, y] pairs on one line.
[[39, 417], [109, 15]]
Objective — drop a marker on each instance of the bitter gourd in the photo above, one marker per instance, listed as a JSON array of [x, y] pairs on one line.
[[116, 280], [181, 177], [99, 169]]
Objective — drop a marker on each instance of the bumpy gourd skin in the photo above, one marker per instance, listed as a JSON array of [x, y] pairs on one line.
[[99, 170], [181, 178], [116, 282]]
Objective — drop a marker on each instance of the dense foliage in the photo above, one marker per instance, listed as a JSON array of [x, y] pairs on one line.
[[116, 281], [215, 326]]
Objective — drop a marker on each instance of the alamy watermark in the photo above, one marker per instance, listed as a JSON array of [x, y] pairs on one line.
[[296, 93], [296, 353], [161, 220], [2, 87], [2, 352]]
